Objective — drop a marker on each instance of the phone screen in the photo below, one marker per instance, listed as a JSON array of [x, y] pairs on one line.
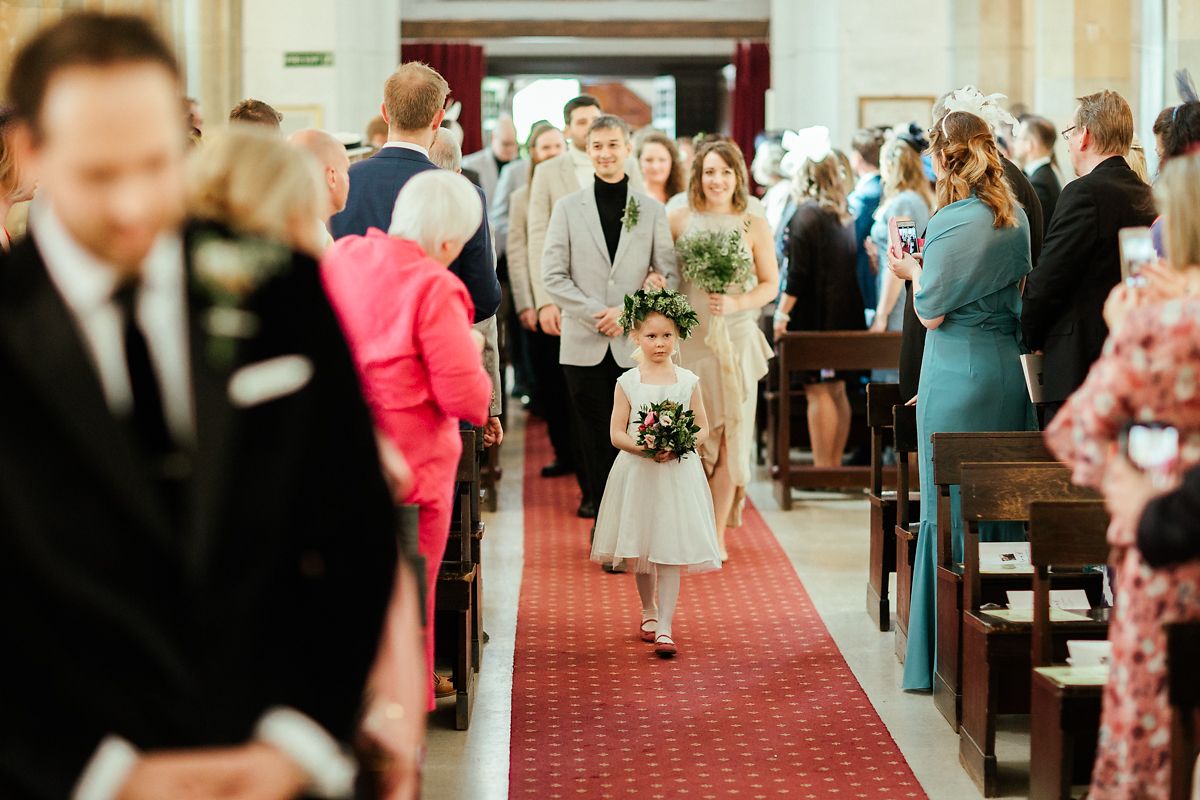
[[907, 231], [1137, 250], [1152, 448]]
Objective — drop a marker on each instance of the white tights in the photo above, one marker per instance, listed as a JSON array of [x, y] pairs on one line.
[[665, 579]]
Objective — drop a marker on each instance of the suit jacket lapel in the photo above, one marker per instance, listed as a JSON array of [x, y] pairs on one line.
[[44, 342], [627, 234], [591, 215]]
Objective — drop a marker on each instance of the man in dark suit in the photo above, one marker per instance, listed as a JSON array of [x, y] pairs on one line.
[[198, 542], [414, 106], [864, 201], [1064, 299], [1035, 152]]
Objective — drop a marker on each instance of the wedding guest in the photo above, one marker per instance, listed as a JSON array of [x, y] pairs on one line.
[[1064, 297], [906, 194], [414, 104], [560, 176], [820, 290], [967, 294], [687, 153], [1147, 372], [15, 186], [658, 160], [529, 294], [331, 158], [602, 243], [767, 170], [1176, 132], [489, 163], [377, 132], [729, 364], [987, 107], [445, 151], [192, 646], [1136, 159], [421, 371], [1036, 137], [256, 112], [249, 181], [195, 119], [863, 201]]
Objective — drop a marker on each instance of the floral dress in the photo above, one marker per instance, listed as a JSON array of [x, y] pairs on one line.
[[1148, 372]]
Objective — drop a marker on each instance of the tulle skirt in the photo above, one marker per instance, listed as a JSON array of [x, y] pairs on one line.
[[656, 514]]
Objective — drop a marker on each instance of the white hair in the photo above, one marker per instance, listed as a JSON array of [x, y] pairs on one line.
[[446, 151], [435, 207]]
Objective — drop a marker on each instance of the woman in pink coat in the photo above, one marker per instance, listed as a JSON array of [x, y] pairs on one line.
[[408, 322]]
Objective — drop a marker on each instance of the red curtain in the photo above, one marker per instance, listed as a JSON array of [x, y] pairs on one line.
[[752, 62], [464, 68]]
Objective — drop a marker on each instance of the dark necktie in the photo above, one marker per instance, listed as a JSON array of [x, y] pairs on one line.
[[149, 422]]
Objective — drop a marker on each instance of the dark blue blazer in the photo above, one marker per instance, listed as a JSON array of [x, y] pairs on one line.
[[863, 203], [374, 184]]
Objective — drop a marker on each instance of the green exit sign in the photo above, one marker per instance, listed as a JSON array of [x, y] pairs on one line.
[[308, 59]]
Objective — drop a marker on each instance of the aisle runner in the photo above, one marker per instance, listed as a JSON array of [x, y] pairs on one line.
[[759, 703]]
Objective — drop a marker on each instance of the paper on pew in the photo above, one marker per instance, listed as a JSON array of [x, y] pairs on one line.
[[1033, 367], [1059, 598], [1026, 615], [1077, 676], [1004, 557]]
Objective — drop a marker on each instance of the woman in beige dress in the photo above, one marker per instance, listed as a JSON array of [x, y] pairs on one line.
[[729, 359]]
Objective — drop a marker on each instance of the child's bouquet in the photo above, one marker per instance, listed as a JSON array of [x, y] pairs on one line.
[[666, 427]]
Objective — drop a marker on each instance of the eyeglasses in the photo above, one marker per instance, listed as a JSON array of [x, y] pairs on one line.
[[1067, 133]]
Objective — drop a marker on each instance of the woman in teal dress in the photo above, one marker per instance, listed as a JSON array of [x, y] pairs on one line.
[[967, 293]]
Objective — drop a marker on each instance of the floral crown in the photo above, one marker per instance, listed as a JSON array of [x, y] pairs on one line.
[[670, 304]]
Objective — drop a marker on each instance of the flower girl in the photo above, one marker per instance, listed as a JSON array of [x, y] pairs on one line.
[[657, 512]]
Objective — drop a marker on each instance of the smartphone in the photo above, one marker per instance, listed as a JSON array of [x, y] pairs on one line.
[[1152, 447], [1137, 250], [902, 235]]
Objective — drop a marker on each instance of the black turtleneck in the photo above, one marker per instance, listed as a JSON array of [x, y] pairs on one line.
[[610, 200]]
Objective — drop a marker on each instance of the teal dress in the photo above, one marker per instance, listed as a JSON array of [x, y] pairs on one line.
[[971, 380]]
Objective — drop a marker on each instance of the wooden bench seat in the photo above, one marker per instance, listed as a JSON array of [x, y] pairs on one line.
[[908, 514], [997, 644], [882, 398], [800, 351], [950, 452], [1065, 700]]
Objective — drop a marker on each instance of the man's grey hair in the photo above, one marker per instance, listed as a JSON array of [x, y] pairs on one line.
[[446, 152], [436, 206], [610, 122]]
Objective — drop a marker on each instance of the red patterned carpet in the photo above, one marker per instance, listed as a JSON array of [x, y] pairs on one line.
[[758, 704]]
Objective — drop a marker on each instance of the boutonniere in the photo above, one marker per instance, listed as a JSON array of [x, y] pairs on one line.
[[630, 217], [228, 271]]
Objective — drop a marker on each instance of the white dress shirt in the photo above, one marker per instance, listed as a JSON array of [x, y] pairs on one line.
[[407, 146], [86, 284], [1034, 166]]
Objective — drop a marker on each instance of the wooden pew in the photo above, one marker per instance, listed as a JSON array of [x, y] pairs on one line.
[[950, 452], [996, 647], [882, 398], [1065, 703], [1183, 665], [908, 515], [799, 351], [455, 611]]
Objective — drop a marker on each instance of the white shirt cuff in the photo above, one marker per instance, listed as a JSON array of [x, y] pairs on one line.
[[108, 770], [331, 771]]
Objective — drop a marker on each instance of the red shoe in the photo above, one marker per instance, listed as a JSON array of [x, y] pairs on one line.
[[647, 635], [664, 646]]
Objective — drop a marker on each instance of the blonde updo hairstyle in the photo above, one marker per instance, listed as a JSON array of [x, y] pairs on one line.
[[824, 182], [254, 183], [901, 170], [731, 154], [971, 165], [1178, 194]]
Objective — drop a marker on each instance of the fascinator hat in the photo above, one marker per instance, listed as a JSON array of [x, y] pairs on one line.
[[807, 144], [986, 107]]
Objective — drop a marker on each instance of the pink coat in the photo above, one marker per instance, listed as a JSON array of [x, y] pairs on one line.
[[408, 322]]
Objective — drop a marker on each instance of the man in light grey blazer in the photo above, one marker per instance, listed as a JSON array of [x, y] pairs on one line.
[[488, 162], [603, 242]]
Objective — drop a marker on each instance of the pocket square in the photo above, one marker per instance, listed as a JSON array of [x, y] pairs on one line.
[[269, 380]]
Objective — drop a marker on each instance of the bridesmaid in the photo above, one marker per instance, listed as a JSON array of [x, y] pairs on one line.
[[967, 294], [718, 199], [662, 172]]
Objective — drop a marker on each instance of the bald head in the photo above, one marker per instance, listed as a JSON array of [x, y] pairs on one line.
[[446, 151], [331, 156], [504, 139]]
